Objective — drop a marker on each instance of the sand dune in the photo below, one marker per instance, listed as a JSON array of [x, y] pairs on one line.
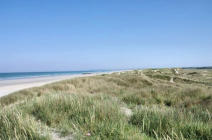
[[9, 86]]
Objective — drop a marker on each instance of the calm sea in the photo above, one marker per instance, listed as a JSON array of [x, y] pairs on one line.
[[20, 75]]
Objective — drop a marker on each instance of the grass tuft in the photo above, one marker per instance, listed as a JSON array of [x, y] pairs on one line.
[[92, 107]]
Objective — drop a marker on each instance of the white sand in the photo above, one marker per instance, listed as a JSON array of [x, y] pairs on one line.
[[10, 86]]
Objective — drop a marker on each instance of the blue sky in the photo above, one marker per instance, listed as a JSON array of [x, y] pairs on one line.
[[47, 35]]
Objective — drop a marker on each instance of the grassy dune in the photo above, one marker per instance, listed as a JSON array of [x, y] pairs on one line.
[[148, 104]]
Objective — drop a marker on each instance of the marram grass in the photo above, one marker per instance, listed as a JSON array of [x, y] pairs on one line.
[[92, 107]]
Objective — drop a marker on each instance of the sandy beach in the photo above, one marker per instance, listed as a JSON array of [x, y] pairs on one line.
[[10, 86]]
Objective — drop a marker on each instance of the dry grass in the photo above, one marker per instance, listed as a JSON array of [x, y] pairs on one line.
[[161, 109]]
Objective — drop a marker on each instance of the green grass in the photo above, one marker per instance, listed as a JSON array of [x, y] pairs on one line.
[[172, 123], [98, 115], [14, 125], [90, 107]]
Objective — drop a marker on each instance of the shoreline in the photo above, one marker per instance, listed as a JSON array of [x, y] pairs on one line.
[[13, 85]]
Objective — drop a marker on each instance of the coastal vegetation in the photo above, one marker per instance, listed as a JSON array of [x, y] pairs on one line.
[[170, 104]]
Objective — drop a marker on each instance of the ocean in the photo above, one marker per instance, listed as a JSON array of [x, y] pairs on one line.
[[22, 75]]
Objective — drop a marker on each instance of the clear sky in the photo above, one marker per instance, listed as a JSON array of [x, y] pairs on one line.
[[47, 35]]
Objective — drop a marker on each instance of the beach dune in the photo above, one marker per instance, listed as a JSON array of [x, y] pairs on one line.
[[10, 86]]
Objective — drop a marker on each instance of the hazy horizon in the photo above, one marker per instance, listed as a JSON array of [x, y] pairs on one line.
[[89, 35], [89, 70]]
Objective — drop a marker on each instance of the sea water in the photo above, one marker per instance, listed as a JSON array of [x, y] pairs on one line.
[[21, 75]]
